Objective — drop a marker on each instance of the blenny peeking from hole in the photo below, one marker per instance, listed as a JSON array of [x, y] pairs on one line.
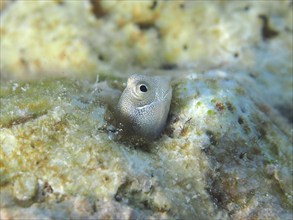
[[143, 107]]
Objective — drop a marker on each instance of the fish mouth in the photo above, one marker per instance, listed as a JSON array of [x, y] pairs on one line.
[[158, 101], [167, 93]]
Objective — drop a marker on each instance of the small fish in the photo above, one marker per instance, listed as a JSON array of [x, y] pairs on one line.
[[144, 105]]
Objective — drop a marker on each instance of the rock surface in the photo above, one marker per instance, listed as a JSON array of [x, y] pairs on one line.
[[226, 152]]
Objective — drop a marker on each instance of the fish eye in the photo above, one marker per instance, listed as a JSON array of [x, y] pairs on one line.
[[143, 88]]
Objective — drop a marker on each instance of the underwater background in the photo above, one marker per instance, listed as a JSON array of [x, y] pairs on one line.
[[226, 151]]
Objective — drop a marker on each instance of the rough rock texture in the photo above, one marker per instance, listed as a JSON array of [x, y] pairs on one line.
[[222, 154], [227, 150]]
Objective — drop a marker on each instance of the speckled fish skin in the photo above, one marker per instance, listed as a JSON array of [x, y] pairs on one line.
[[144, 113]]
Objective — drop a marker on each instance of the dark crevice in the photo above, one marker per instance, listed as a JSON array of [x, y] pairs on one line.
[[216, 195], [101, 57], [240, 120], [286, 111], [24, 119], [97, 9], [267, 32], [246, 8], [213, 139], [168, 66], [145, 26], [154, 5], [131, 196]]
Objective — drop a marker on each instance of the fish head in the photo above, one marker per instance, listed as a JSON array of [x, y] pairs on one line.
[[142, 90]]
